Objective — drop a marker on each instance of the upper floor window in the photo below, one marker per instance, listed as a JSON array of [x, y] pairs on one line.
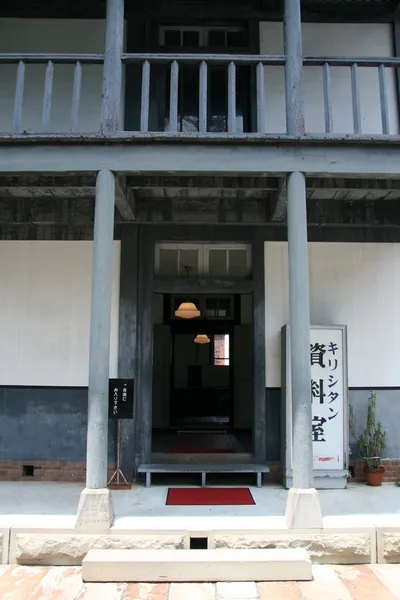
[[197, 37]]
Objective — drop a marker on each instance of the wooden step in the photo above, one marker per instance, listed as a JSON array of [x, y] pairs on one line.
[[197, 565]]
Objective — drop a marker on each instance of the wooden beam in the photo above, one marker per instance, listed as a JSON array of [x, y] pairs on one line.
[[351, 159], [205, 181], [124, 200], [280, 209], [193, 286]]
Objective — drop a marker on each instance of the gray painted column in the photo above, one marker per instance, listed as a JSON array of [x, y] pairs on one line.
[[303, 510], [100, 323], [112, 70], [299, 331], [294, 67], [95, 510]]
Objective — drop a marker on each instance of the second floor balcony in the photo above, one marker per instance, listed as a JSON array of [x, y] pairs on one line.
[[196, 81]]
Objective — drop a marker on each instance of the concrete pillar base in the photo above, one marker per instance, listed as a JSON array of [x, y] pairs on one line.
[[303, 510], [95, 510]]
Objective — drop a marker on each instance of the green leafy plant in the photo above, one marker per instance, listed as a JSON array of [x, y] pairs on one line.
[[372, 441]]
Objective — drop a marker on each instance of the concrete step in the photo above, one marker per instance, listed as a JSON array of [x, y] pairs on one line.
[[197, 565]]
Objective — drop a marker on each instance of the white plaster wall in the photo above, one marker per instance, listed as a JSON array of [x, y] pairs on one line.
[[332, 39], [54, 36], [350, 284], [45, 312]]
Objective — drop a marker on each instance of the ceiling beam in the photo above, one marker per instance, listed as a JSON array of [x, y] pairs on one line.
[[280, 209], [124, 199]]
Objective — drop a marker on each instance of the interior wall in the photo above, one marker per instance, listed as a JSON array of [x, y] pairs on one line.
[[350, 284], [45, 312], [330, 40], [52, 36]]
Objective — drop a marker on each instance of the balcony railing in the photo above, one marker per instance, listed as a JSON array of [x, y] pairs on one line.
[[22, 62], [264, 96]]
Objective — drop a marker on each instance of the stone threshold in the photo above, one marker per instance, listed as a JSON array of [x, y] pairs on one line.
[[342, 540]]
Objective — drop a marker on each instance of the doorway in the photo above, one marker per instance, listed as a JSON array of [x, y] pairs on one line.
[[203, 388]]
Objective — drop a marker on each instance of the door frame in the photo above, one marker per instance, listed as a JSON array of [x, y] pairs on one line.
[[148, 284]]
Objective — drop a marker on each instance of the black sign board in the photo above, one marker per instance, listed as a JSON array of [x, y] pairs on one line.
[[120, 399]]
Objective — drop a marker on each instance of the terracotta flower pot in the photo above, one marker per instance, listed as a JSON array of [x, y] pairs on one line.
[[374, 476]]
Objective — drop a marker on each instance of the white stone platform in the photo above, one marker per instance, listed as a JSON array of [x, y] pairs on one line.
[[197, 565], [360, 524]]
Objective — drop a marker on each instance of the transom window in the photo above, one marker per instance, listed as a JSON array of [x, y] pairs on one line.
[[202, 260], [196, 37]]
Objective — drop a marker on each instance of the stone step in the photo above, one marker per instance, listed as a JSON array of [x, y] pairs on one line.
[[196, 565]]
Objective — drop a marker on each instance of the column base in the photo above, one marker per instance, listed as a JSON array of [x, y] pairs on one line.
[[303, 510], [95, 510]]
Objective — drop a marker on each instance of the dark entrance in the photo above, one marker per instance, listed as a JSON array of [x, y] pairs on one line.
[[203, 388]]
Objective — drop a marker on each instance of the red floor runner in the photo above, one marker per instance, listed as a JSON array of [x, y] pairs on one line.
[[208, 496]]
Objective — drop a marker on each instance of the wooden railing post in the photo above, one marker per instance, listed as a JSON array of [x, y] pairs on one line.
[[293, 68], [112, 70]]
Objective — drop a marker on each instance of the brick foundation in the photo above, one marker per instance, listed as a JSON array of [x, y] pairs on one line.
[[70, 470], [46, 470], [392, 466]]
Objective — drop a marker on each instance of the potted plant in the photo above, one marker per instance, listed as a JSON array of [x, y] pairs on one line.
[[371, 443]]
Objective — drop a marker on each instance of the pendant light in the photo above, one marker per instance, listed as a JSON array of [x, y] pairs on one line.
[[201, 338], [187, 310]]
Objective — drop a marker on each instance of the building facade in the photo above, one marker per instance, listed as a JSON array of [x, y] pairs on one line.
[[245, 159]]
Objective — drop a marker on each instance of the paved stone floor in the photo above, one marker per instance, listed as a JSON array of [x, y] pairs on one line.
[[365, 582]]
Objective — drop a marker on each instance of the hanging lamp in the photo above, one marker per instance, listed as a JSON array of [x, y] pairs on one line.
[[187, 310], [201, 338]]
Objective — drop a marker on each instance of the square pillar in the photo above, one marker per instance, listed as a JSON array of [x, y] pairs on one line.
[[293, 68], [112, 69], [95, 507], [303, 510]]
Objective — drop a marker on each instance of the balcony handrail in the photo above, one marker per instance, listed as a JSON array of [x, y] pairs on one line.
[[202, 62], [334, 61], [243, 59], [8, 58]]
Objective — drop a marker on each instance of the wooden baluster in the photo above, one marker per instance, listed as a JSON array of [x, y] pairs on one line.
[[173, 98], [327, 98], [19, 97], [355, 90], [232, 97], [76, 96], [145, 101], [47, 96], [384, 99], [203, 80], [261, 108]]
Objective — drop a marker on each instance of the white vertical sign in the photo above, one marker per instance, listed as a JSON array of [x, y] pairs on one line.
[[328, 394]]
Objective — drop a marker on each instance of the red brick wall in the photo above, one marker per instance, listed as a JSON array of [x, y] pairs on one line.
[[392, 467], [69, 470], [47, 470]]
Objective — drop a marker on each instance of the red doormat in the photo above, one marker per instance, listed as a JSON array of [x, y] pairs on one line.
[[208, 496]]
